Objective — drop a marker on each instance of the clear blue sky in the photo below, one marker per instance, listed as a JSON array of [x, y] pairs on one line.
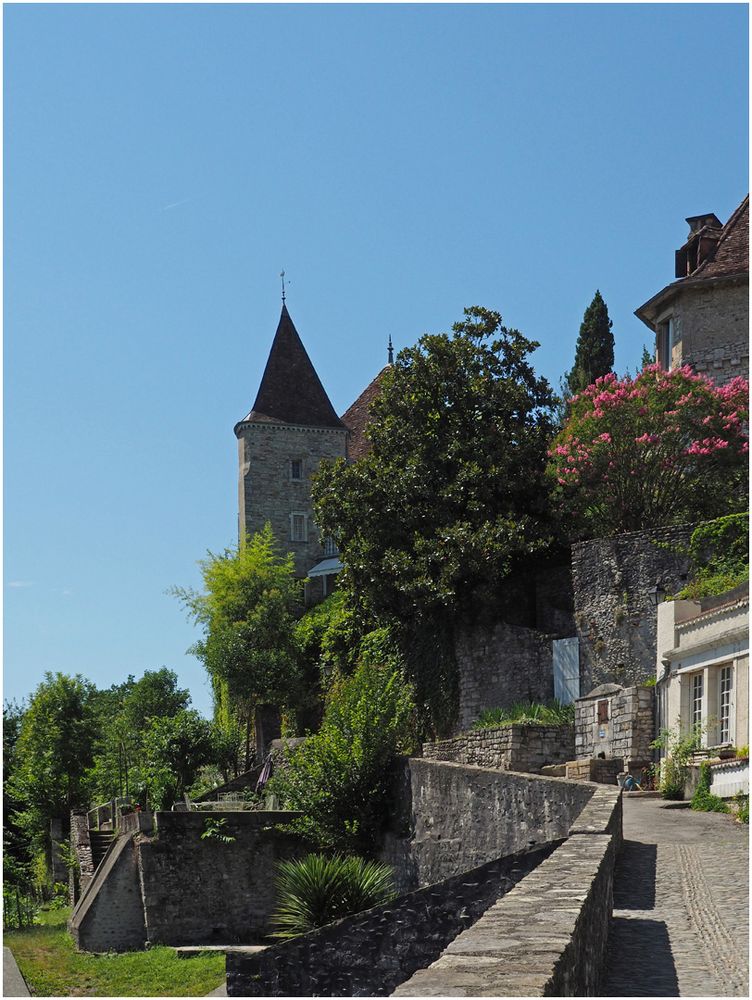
[[163, 163]]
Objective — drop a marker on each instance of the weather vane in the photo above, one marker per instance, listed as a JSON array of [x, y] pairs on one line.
[[282, 276], [390, 351]]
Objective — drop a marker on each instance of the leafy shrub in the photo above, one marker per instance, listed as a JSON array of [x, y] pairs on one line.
[[340, 778], [742, 751], [719, 551], [674, 767], [703, 800], [20, 908], [742, 807], [215, 829], [527, 713], [316, 890]]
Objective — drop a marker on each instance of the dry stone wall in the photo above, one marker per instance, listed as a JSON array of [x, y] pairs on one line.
[[510, 748], [81, 847], [615, 615]]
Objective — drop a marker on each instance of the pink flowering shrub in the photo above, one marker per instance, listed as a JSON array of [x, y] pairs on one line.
[[662, 448]]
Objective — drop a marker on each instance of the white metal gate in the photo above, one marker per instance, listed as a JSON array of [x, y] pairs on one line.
[[566, 670]]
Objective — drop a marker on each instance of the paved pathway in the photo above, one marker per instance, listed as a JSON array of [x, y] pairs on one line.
[[681, 916], [14, 984]]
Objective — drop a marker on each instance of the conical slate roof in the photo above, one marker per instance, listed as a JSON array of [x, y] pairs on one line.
[[291, 391]]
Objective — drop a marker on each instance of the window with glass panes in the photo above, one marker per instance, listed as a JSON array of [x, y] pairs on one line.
[[724, 704], [696, 699]]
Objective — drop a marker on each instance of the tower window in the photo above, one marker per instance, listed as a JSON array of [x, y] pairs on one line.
[[296, 469], [298, 527]]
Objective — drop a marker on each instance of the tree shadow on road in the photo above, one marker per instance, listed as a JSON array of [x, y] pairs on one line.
[[640, 962], [634, 877]]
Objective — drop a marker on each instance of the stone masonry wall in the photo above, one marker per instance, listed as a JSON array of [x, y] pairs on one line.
[[464, 816], [81, 847], [711, 329], [109, 915], [266, 492], [502, 665], [629, 730], [372, 952], [546, 937], [202, 891], [614, 611], [510, 748]]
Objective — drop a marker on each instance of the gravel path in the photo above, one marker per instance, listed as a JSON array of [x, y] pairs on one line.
[[681, 904]]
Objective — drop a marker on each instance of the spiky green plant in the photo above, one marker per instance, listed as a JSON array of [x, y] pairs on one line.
[[527, 713], [315, 890]]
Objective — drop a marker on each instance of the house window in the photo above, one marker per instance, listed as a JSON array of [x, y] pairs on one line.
[[296, 469], [696, 706], [665, 342], [330, 547], [298, 527], [724, 706]]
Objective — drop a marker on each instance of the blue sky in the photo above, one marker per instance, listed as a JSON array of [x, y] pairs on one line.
[[164, 162]]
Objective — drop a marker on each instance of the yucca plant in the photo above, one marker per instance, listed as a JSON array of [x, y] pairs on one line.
[[315, 890]]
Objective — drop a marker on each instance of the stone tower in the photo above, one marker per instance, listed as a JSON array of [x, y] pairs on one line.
[[290, 429]]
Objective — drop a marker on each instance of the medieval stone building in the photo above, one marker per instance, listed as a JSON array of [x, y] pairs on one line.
[[702, 318], [291, 427]]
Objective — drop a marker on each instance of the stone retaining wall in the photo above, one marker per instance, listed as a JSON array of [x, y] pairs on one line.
[[372, 952], [510, 748]]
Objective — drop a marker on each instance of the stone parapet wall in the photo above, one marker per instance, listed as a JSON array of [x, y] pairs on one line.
[[372, 952], [509, 748], [464, 816], [615, 615], [502, 665], [109, 916], [546, 937]]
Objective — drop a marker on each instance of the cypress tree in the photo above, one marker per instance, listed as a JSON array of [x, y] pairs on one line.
[[594, 354]]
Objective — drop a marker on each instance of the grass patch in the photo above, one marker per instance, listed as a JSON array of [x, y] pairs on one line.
[[52, 967], [527, 713]]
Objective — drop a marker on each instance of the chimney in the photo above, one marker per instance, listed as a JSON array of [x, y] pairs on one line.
[[704, 233]]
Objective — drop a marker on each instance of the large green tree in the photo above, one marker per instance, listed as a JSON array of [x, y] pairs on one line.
[[594, 352], [54, 752], [248, 609], [451, 497]]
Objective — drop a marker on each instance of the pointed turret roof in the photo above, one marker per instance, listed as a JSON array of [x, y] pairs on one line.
[[291, 391]]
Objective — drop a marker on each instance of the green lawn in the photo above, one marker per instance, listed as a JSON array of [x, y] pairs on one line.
[[52, 967]]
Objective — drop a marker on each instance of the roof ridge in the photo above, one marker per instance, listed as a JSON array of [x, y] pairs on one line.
[[728, 228]]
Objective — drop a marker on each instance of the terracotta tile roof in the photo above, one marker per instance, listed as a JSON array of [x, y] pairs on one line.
[[731, 253], [291, 391], [356, 418]]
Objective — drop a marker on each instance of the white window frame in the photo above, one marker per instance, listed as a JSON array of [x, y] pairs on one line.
[[696, 699], [725, 703], [330, 547], [293, 477], [304, 533]]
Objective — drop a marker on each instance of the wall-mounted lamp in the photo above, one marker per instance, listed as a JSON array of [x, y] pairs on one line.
[[657, 594]]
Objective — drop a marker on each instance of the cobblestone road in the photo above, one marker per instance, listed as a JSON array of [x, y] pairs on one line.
[[681, 904]]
